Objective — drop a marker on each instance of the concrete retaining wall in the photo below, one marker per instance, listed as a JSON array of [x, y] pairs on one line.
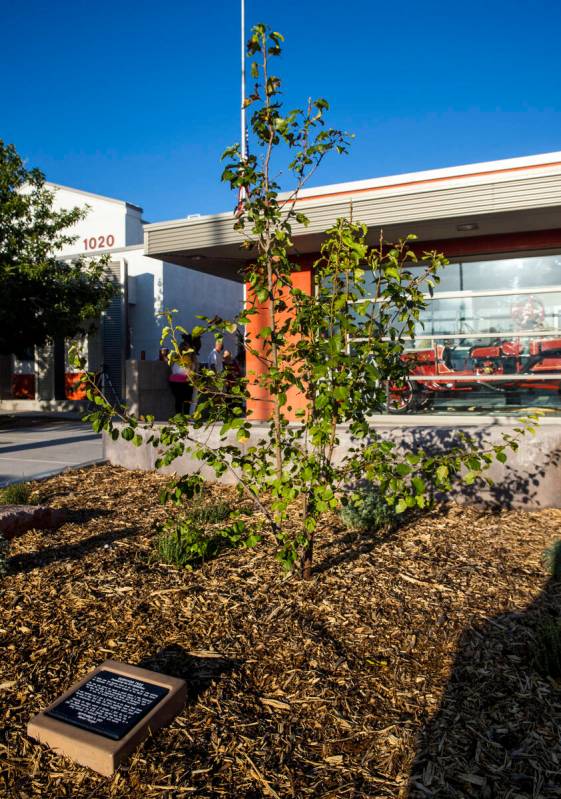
[[531, 478], [148, 392]]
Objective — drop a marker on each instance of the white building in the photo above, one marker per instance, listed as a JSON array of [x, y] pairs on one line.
[[131, 327]]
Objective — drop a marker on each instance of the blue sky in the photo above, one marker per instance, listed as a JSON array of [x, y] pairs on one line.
[[138, 99]]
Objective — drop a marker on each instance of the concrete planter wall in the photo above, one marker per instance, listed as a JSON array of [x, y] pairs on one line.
[[530, 479], [148, 392]]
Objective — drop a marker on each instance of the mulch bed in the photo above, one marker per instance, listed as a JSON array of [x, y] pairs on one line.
[[405, 667]]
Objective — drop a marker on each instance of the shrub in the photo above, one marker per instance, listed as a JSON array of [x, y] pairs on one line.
[[199, 533], [210, 514], [186, 543], [547, 655], [183, 543], [552, 559], [367, 510], [16, 494]]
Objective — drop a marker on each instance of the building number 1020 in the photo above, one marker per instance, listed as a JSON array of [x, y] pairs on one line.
[[99, 242]]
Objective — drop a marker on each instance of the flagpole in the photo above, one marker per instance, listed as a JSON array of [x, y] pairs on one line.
[[243, 151]]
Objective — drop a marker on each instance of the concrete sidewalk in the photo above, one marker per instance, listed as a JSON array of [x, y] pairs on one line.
[[33, 447]]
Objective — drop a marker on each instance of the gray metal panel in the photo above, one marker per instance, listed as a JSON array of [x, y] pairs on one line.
[[113, 330], [381, 208]]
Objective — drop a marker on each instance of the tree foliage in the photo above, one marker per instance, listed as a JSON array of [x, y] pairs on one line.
[[340, 348], [41, 296]]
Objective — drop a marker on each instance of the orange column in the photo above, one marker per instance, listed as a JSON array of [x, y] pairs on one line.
[[259, 406]]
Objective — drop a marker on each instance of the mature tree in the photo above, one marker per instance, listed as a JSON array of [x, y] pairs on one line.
[[340, 349], [41, 296]]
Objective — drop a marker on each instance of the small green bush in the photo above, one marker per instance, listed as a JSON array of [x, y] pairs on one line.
[[547, 654], [367, 510], [209, 514], [183, 543], [16, 494], [186, 543], [552, 560]]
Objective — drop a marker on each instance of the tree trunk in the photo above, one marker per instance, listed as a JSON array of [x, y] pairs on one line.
[[308, 553], [308, 558]]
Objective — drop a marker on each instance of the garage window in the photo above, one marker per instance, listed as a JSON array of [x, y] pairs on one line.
[[489, 340]]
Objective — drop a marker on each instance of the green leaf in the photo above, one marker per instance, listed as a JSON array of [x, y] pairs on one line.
[[403, 469], [401, 506]]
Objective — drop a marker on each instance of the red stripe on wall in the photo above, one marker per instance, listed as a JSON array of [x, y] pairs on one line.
[[498, 243]]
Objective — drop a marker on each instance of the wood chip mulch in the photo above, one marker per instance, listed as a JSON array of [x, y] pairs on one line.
[[404, 668]]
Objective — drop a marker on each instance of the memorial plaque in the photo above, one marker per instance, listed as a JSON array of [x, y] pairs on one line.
[[109, 704], [100, 720]]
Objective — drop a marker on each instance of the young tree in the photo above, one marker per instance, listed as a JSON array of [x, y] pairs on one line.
[[41, 296], [340, 349]]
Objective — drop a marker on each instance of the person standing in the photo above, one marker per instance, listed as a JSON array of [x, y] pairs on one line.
[[232, 374], [182, 371], [231, 368], [196, 344], [216, 358]]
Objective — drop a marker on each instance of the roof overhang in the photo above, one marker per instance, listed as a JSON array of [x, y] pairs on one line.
[[500, 197]]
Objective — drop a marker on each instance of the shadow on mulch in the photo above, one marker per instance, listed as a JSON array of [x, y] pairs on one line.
[[84, 515], [26, 562], [496, 732], [318, 631], [198, 671], [353, 545]]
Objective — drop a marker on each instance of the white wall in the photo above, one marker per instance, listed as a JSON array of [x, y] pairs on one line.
[[162, 286], [194, 293], [144, 322], [109, 223], [159, 286]]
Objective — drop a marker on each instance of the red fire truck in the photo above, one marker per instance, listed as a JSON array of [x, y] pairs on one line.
[[469, 367]]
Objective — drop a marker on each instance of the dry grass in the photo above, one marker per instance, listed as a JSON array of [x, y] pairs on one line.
[[327, 688]]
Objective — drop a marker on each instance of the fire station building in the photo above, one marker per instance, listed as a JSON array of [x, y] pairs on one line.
[[127, 341], [490, 339]]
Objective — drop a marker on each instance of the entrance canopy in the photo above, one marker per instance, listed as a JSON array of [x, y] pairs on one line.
[[498, 199]]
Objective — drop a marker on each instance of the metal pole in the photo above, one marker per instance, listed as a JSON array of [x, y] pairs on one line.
[[243, 133]]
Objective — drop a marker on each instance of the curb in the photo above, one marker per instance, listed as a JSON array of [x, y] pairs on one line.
[[53, 472]]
